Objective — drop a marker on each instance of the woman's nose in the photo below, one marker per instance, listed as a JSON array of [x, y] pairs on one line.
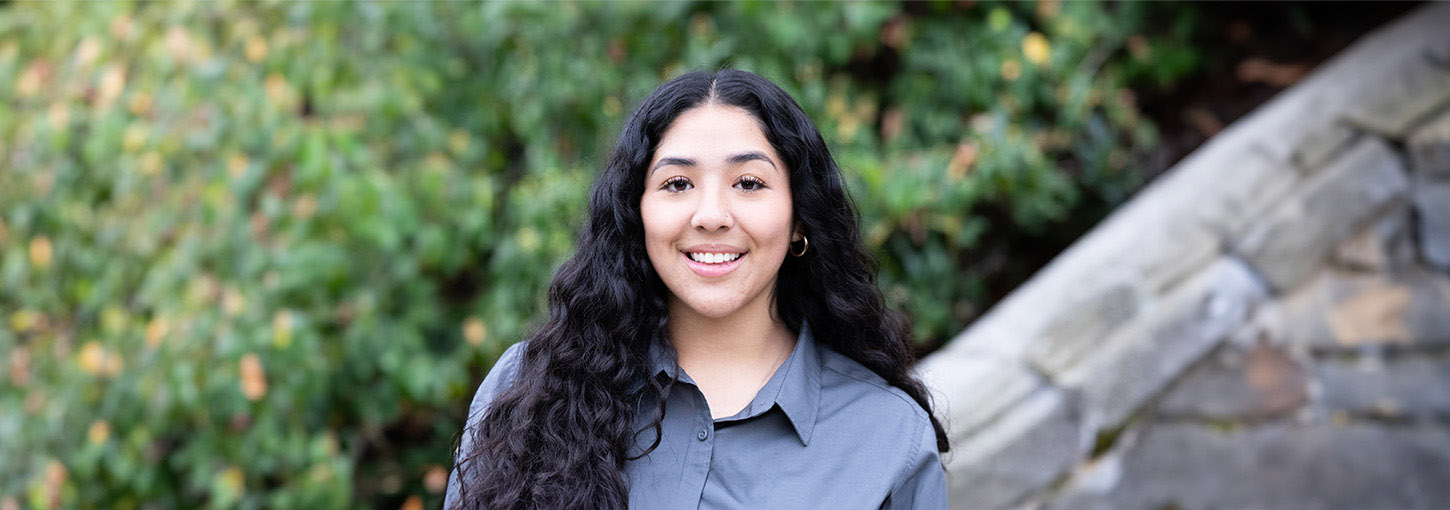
[[712, 210]]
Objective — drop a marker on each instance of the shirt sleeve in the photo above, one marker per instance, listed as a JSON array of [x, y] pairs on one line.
[[498, 379], [923, 486]]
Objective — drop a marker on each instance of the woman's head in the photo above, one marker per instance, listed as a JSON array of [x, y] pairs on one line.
[[560, 435], [727, 161], [716, 212]]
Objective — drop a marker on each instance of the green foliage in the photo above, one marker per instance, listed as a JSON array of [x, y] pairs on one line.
[[259, 255]]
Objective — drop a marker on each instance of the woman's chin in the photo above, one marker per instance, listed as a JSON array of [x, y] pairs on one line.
[[718, 308]]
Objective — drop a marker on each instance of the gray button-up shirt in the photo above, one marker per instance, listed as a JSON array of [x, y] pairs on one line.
[[824, 432]]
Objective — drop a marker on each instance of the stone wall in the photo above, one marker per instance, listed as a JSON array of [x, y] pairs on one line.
[[1265, 326]]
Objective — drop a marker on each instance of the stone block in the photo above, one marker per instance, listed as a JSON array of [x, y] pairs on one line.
[[1385, 246], [1139, 361], [1398, 387], [1227, 191], [1319, 146], [1077, 332], [1432, 207], [1400, 101], [1260, 383], [1298, 235], [1338, 310], [970, 389], [1275, 466], [1429, 147], [1016, 456], [1135, 247]]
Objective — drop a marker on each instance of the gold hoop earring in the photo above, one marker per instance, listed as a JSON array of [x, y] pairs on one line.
[[805, 243]]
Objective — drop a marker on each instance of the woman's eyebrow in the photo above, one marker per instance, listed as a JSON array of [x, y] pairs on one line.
[[749, 156], [734, 160]]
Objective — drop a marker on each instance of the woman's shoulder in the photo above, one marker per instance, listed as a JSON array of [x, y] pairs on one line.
[[850, 382], [881, 422], [499, 378]]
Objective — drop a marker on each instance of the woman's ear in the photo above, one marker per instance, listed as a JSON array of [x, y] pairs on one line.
[[795, 234]]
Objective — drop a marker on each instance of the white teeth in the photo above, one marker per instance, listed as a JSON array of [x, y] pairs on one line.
[[713, 258]]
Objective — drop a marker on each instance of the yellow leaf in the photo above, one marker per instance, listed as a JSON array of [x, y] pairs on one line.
[[1036, 48], [232, 480], [277, 90], [134, 137], [458, 141], [236, 166], [413, 503], [32, 79], [178, 43], [92, 359], [121, 27], [100, 432], [151, 163], [282, 329], [59, 115], [112, 83], [474, 331], [140, 104], [256, 48], [254, 381], [23, 320], [962, 160], [55, 475], [20, 366], [305, 206], [1011, 69], [156, 331], [87, 51], [232, 302], [40, 252]]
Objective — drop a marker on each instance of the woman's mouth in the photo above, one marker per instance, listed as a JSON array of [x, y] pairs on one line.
[[710, 264]]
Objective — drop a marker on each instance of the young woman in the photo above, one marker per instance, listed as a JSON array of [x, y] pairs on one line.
[[717, 340]]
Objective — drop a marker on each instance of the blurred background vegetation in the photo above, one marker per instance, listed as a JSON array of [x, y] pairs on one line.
[[258, 255]]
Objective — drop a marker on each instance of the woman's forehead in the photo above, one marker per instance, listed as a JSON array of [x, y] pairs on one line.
[[713, 134]]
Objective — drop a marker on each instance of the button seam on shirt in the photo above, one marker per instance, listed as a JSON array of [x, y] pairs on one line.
[[702, 435]]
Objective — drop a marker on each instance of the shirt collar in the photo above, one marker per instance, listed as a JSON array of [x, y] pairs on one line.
[[795, 387]]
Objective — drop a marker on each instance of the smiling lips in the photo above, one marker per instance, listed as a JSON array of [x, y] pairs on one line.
[[712, 261]]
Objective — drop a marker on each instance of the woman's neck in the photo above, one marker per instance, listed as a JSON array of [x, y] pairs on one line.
[[751, 337]]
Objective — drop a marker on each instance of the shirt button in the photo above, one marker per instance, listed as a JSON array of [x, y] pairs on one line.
[[702, 435]]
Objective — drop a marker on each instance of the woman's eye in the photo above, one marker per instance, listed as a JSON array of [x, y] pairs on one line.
[[750, 184], [676, 185]]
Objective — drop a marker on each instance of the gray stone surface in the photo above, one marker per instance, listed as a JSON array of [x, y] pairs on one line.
[[1259, 383], [1387, 245], [1299, 234], [1224, 191], [1399, 387], [1319, 145], [1074, 334], [1273, 467], [969, 389], [1029, 448], [1400, 101], [1140, 248], [1432, 207], [1429, 147], [1137, 362], [1337, 309]]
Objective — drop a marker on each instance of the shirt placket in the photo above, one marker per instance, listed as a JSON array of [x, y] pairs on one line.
[[702, 448]]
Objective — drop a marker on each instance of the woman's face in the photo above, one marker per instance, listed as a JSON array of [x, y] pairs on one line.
[[717, 212]]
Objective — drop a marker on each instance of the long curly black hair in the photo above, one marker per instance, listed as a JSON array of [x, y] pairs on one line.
[[559, 436]]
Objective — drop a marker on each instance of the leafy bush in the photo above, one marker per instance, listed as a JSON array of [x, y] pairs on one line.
[[259, 255]]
